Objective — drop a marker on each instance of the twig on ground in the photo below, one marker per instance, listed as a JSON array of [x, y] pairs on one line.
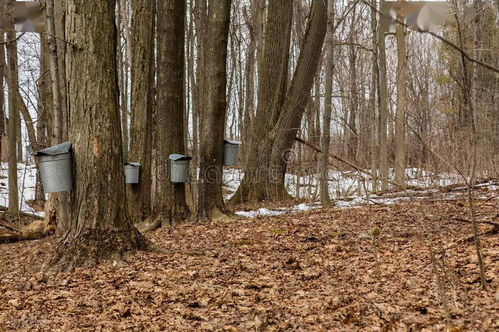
[[8, 227], [478, 221]]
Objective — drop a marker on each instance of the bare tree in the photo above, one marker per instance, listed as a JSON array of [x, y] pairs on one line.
[[372, 98], [13, 119], [142, 97], [2, 95], [383, 102], [264, 177], [212, 129], [124, 55], [43, 124], [58, 200], [328, 105], [401, 105], [272, 84], [352, 134], [253, 22], [99, 226], [170, 201]]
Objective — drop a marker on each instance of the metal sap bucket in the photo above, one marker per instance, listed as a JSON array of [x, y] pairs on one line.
[[179, 168], [231, 150], [132, 173], [55, 168]]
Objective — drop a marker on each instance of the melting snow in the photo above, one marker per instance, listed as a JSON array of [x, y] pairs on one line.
[[346, 189]]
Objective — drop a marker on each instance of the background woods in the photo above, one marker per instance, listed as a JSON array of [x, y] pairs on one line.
[[240, 165], [320, 93]]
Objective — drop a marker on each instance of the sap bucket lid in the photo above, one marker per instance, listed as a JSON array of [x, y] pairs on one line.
[[55, 150], [178, 157], [133, 163], [232, 142]]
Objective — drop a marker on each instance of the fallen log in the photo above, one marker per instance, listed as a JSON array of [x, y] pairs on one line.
[[8, 227], [22, 214], [36, 230], [496, 225], [10, 237]]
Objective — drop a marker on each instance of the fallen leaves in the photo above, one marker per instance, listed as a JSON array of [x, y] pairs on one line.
[[355, 269]]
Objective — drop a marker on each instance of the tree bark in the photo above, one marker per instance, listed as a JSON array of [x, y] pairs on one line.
[[201, 17], [253, 24], [328, 105], [30, 128], [2, 92], [401, 105], [44, 104], [200, 11], [352, 135], [59, 26], [123, 64], [373, 147], [142, 95], [57, 132], [13, 118], [170, 203], [383, 103], [100, 229], [210, 200], [60, 201]]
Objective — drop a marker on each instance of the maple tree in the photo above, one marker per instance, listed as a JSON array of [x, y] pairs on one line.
[[331, 100]]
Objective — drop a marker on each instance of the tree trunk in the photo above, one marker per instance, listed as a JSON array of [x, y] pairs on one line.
[[124, 65], [41, 133], [100, 229], [44, 123], [54, 74], [210, 200], [170, 204], [200, 18], [2, 92], [193, 108], [253, 24], [352, 134], [142, 75], [328, 105], [272, 83], [383, 103], [312, 126], [264, 177], [299, 91], [59, 26], [373, 147], [30, 128], [13, 120], [191, 77], [60, 201], [19, 140], [401, 105]]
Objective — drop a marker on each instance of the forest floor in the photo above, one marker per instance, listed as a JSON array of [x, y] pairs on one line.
[[364, 268]]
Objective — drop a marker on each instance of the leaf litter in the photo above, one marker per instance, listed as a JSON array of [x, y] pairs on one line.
[[366, 269]]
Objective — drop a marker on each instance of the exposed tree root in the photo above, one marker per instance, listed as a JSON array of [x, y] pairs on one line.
[[259, 193], [150, 224], [162, 220], [96, 247], [217, 215]]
